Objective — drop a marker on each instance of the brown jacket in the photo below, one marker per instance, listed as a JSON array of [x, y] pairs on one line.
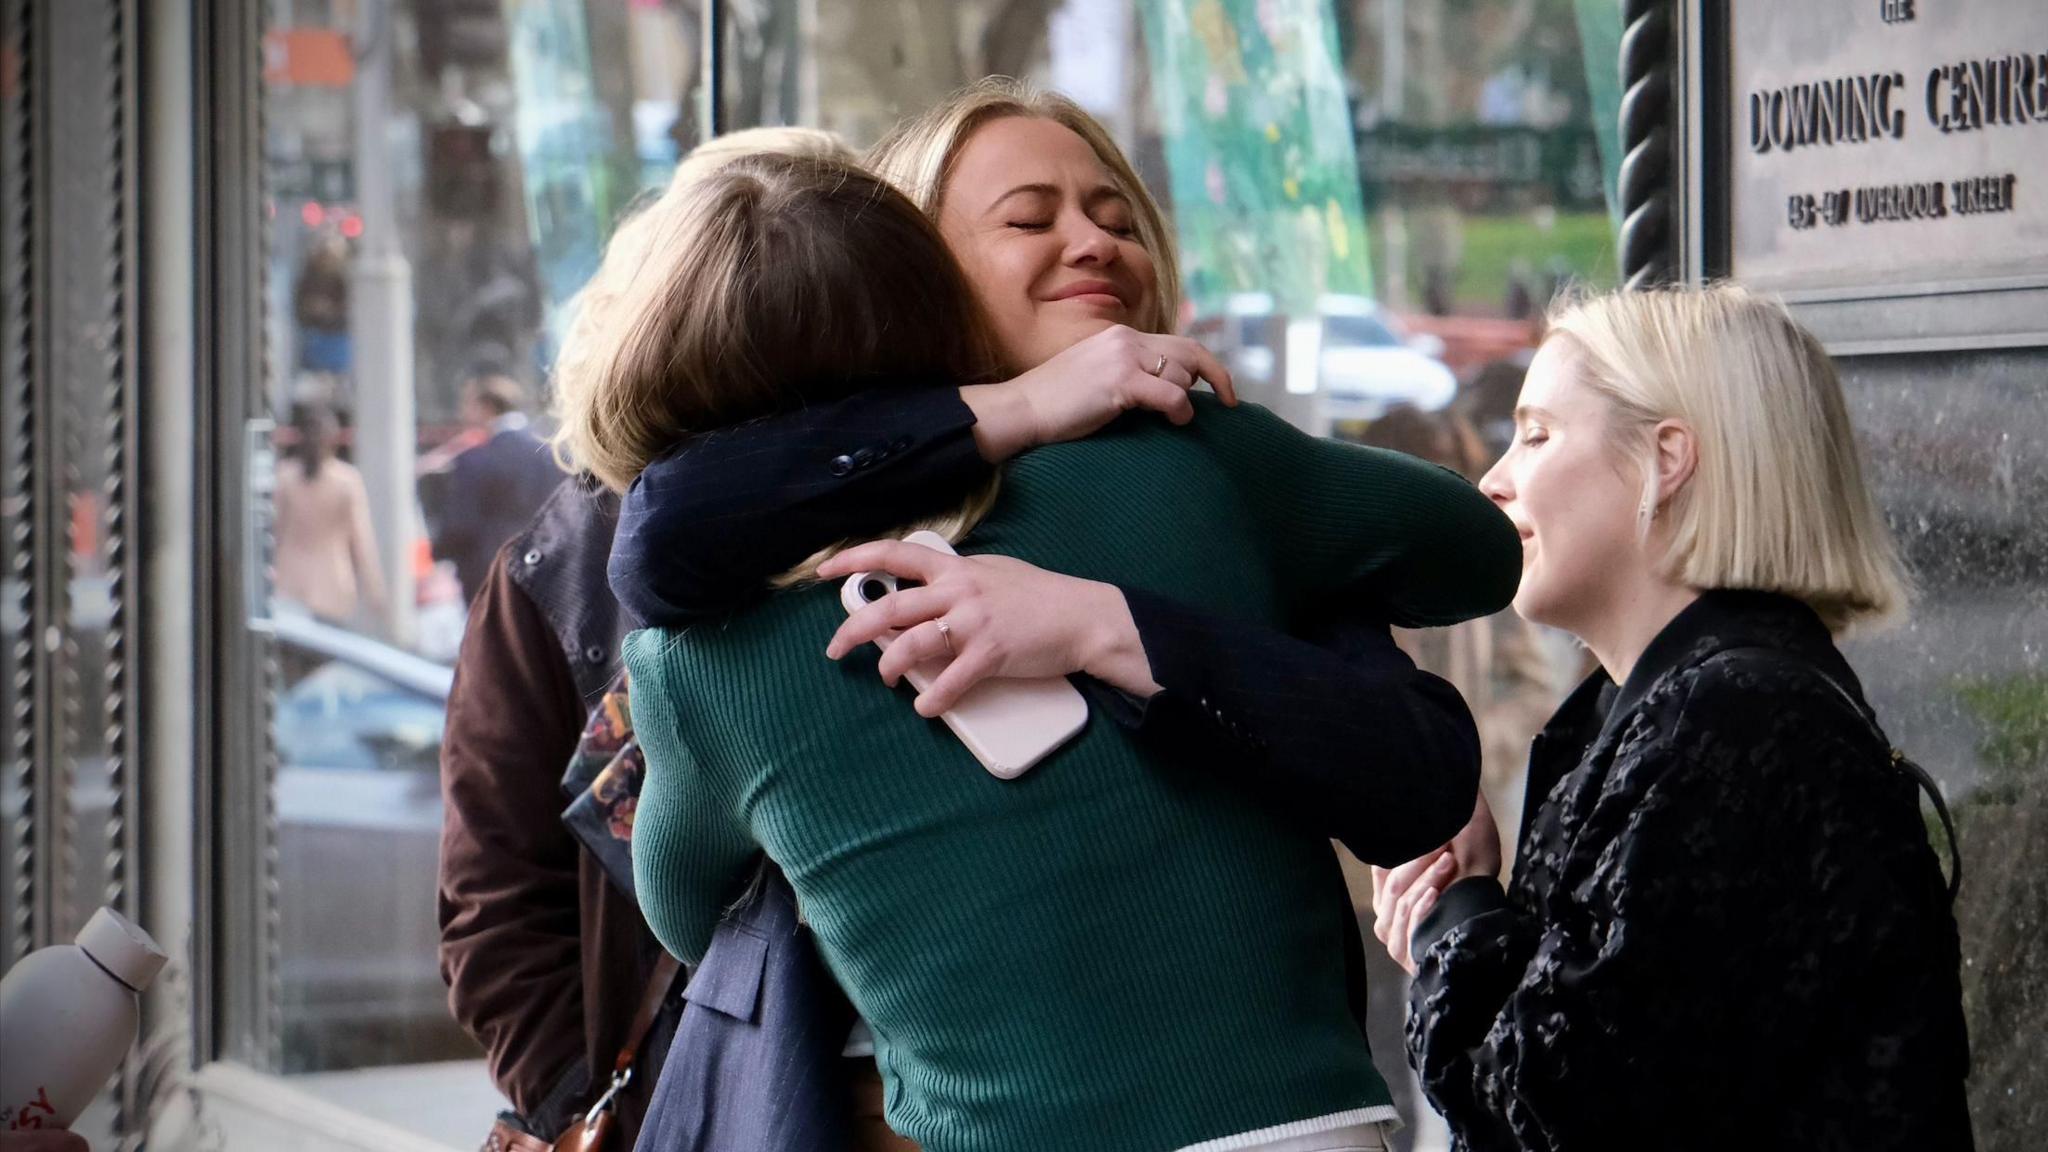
[[545, 960]]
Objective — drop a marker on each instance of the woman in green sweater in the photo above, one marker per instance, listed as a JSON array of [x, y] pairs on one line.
[[1104, 954]]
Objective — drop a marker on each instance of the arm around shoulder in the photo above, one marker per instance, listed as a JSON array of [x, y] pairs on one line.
[[703, 529], [1421, 542]]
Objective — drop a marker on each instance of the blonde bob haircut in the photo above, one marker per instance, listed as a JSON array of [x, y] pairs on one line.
[[1777, 499], [918, 156]]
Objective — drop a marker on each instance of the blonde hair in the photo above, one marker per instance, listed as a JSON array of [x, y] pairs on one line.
[[1777, 500], [918, 156], [719, 151], [770, 283], [595, 311]]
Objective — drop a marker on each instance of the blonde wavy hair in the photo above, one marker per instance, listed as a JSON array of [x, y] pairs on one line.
[[918, 157], [1777, 500]]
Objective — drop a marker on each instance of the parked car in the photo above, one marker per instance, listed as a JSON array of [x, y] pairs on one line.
[[1368, 366], [358, 796], [1365, 363]]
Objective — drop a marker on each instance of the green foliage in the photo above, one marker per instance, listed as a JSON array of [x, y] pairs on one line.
[[1495, 245], [2002, 914], [1260, 150], [2013, 711]]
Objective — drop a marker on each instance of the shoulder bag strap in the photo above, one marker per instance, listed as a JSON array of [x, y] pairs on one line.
[[664, 976], [591, 1132], [1899, 759], [659, 982]]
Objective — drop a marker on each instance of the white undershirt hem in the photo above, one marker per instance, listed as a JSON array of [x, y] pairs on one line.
[[1374, 1115]]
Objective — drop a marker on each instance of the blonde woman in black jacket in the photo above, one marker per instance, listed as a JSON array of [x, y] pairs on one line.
[[1726, 926]]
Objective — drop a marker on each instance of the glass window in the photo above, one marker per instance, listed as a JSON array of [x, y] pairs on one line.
[[440, 177], [1962, 687]]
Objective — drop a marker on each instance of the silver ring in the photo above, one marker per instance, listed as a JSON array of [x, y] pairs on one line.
[[1161, 366], [946, 634]]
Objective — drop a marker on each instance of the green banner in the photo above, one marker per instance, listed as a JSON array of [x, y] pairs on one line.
[[1411, 165], [1263, 168], [562, 137], [1600, 44]]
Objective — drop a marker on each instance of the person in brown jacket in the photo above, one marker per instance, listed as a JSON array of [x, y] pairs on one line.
[[545, 960]]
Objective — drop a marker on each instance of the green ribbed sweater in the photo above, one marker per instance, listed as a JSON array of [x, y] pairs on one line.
[[1106, 953]]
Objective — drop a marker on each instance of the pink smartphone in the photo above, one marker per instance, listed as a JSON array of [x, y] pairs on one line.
[[1009, 725]]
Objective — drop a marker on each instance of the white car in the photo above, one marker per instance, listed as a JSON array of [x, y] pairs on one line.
[[1367, 368], [358, 846], [1363, 365]]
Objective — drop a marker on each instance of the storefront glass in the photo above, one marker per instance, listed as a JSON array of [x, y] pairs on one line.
[[1953, 445], [417, 271]]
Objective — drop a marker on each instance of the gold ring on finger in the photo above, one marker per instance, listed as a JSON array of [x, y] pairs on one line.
[[1160, 366], [946, 634]]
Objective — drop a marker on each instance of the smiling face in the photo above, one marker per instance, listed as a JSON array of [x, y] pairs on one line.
[[1046, 238], [1574, 505]]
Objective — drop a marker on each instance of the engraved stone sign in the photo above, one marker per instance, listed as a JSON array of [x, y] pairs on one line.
[[1888, 143]]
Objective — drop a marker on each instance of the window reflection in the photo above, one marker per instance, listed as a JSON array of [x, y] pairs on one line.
[[359, 819], [513, 136], [1963, 687]]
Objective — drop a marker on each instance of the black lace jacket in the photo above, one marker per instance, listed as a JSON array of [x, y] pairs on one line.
[[1727, 927]]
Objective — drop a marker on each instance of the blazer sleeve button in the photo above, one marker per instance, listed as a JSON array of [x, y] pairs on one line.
[[841, 465]]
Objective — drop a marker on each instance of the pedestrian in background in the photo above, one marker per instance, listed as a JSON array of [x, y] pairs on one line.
[[320, 307], [326, 558], [491, 490]]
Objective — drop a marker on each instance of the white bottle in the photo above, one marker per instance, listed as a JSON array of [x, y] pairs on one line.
[[67, 1016]]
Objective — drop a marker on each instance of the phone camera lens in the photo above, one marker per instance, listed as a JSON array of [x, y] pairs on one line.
[[873, 589]]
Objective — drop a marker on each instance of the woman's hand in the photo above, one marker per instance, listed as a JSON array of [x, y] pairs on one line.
[[1003, 617], [1402, 896], [1078, 391]]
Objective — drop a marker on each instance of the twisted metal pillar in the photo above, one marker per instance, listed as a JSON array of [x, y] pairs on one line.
[[23, 908], [1648, 60], [69, 492]]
